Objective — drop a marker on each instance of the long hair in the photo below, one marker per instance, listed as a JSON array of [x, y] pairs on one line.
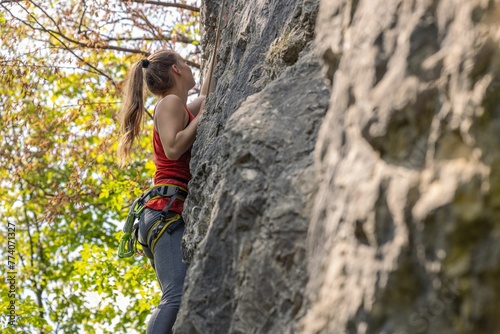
[[157, 73]]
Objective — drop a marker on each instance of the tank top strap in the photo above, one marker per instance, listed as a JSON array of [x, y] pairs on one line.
[[190, 116]]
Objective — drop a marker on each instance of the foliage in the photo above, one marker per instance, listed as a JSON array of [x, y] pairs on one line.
[[62, 64]]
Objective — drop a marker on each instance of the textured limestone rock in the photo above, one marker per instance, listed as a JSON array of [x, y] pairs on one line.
[[401, 204], [259, 39], [253, 173], [405, 233]]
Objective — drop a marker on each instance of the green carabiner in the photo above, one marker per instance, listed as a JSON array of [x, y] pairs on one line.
[[128, 242], [127, 247]]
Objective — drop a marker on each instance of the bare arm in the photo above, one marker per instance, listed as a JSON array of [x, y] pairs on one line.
[[170, 122], [204, 88], [199, 103]]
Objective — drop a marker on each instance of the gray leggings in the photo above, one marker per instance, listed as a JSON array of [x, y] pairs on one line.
[[170, 271]]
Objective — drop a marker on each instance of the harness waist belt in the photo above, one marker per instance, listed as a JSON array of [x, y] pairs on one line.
[[162, 190]]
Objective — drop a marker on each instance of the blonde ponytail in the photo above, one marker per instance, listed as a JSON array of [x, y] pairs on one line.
[[132, 112], [156, 72]]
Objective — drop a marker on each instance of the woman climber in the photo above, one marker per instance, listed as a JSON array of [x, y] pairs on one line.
[[169, 78]]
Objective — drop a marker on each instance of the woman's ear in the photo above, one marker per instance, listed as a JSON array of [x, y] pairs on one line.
[[176, 69]]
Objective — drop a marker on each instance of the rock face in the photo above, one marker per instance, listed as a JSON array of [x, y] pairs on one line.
[[405, 232], [387, 220], [253, 173]]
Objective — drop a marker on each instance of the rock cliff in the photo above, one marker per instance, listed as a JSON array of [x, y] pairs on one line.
[[348, 170]]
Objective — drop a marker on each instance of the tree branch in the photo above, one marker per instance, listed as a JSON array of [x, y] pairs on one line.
[[55, 34], [81, 17], [167, 4]]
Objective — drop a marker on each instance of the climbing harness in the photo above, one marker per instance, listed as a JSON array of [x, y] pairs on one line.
[[167, 223]]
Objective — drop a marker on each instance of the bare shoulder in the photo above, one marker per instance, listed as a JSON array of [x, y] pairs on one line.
[[170, 113], [171, 104]]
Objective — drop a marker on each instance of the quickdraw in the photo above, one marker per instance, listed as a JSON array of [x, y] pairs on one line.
[[129, 239]]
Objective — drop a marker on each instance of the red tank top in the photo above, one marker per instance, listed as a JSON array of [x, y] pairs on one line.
[[174, 172]]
